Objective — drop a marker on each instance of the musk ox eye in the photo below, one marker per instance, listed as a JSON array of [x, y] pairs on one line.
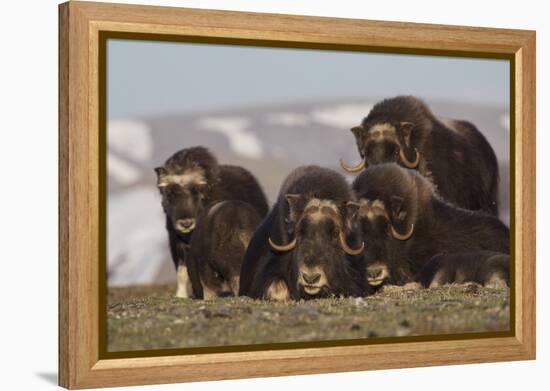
[[171, 192]]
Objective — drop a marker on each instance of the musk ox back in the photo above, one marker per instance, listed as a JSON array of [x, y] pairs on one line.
[[413, 224], [488, 268], [308, 245], [217, 248], [454, 155], [190, 181]]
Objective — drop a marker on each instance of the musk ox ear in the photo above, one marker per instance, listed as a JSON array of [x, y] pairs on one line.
[[406, 129], [352, 208], [161, 176], [201, 189], [357, 130], [350, 212], [295, 205], [398, 211]]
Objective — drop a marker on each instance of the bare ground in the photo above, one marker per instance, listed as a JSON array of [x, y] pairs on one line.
[[150, 317]]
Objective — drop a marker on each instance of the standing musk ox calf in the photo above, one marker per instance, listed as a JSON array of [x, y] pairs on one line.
[[307, 247], [406, 223], [487, 268], [190, 181], [217, 248], [454, 155]]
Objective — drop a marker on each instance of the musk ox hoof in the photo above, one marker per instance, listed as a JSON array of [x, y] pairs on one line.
[[182, 293], [496, 282], [412, 286], [184, 284], [278, 291]]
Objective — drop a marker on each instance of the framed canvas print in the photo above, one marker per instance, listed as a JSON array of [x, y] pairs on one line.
[[247, 195]]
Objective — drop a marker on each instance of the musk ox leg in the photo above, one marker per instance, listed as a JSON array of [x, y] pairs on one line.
[[496, 281], [278, 291], [438, 280], [184, 284], [207, 293], [234, 285]]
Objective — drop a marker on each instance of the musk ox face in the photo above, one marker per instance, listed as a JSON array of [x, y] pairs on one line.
[[184, 197], [377, 228], [384, 142], [375, 222], [320, 249], [185, 182]]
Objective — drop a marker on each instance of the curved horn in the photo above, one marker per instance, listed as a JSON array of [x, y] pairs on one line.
[[398, 236], [285, 247], [408, 163], [353, 169], [347, 249]]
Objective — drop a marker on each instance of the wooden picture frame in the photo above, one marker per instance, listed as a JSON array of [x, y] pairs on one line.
[[82, 209]]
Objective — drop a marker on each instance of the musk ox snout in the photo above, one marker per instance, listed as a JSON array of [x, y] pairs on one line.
[[185, 225], [377, 273], [312, 279]]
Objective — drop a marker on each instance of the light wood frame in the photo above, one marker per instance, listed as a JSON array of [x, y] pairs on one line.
[[80, 24]]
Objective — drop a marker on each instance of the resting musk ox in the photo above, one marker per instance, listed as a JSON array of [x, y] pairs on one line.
[[307, 246], [217, 248], [189, 181], [488, 268], [454, 155], [406, 223]]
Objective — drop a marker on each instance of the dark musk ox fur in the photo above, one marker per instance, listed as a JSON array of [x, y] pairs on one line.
[[217, 248], [488, 268], [407, 202], [454, 155], [315, 205], [190, 181]]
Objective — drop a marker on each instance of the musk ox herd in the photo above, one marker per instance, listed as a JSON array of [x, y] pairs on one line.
[[422, 209]]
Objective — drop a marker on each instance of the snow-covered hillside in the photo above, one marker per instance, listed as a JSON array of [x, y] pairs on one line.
[[269, 141]]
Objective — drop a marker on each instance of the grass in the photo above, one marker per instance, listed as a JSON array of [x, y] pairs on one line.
[[150, 317]]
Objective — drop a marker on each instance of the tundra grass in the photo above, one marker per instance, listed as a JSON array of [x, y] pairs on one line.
[[150, 317]]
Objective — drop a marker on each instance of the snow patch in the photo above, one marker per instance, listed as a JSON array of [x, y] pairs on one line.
[[131, 139], [242, 141], [288, 119], [136, 237], [342, 116], [121, 170], [505, 121]]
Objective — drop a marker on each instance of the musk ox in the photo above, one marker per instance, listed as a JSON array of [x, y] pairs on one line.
[[308, 245], [217, 248], [488, 268], [406, 223], [191, 180], [454, 155]]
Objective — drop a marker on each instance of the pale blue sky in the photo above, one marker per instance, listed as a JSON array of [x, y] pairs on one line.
[[147, 78]]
